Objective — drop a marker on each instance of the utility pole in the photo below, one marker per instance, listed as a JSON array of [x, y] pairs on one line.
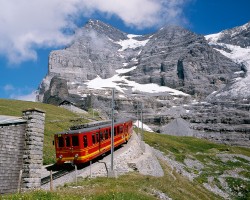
[[92, 105], [138, 118], [141, 121], [112, 130]]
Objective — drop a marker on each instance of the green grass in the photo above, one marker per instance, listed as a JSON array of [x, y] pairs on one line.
[[206, 152], [239, 188], [57, 119], [132, 186]]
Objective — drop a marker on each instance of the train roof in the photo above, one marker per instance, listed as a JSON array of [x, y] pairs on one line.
[[94, 127]]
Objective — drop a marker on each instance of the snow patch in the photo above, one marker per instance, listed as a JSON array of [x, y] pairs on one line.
[[239, 72], [131, 42], [115, 82], [145, 127], [134, 60], [122, 71], [213, 37], [122, 96]]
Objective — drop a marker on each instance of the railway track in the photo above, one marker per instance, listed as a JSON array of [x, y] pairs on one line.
[[56, 175], [68, 168]]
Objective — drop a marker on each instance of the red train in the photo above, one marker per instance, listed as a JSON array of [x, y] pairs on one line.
[[89, 141]]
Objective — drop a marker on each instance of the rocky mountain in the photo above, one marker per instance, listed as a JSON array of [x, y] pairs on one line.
[[234, 43], [180, 59], [172, 57], [238, 36], [170, 72]]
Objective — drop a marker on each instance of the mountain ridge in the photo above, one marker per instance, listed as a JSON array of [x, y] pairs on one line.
[[89, 55], [238, 36]]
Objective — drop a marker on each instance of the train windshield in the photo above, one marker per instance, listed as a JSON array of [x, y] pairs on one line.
[[60, 142], [67, 140]]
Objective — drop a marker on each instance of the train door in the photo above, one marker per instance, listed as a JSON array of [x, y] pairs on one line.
[[67, 143], [71, 144], [75, 145], [125, 132], [98, 140], [101, 133]]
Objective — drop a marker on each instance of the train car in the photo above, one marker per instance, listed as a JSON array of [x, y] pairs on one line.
[[82, 145]]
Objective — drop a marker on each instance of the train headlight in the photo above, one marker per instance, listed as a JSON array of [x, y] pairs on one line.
[[60, 156], [76, 156]]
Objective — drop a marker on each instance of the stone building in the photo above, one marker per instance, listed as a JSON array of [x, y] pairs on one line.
[[21, 150]]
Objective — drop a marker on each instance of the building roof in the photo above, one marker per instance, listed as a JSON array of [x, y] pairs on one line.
[[66, 102], [5, 120]]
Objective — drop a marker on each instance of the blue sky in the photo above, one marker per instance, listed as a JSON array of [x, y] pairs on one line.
[[31, 29]]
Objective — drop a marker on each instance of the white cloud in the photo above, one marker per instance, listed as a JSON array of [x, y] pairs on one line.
[[27, 97], [27, 25], [20, 93], [140, 13], [8, 87]]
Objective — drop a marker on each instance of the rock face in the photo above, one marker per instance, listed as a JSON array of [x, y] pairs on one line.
[[222, 122], [180, 59], [163, 71], [234, 43], [57, 91], [238, 36]]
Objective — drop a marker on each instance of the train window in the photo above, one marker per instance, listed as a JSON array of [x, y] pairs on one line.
[[93, 139], [106, 134], [101, 136], [85, 141], [109, 133], [67, 140], [75, 141], [126, 129], [97, 137], [120, 129], [115, 131], [60, 142]]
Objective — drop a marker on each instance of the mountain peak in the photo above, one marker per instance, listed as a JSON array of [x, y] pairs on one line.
[[105, 29], [174, 34], [96, 22], [239, 36]]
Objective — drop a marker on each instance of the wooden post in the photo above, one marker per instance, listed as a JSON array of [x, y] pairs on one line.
[[76, 173], [51, 181], [20, 181], [90, 163]]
